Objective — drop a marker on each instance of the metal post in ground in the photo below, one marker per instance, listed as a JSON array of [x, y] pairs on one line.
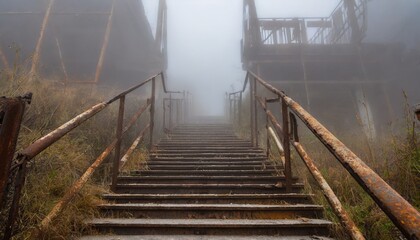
[[286, 145], [152, 113], [117, 151]]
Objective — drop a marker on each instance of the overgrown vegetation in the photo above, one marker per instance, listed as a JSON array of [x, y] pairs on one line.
[[394, 155], [52, 172]]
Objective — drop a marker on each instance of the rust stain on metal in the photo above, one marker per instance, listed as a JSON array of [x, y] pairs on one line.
[[329, 194], [401, 212], [44, 142], [74, 189], [136, 142], [12, 113]]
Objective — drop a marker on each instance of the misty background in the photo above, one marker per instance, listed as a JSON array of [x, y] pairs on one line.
[[204, 38]]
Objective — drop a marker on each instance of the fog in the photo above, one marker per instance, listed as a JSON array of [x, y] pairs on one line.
[[204, 38], [204, 43]]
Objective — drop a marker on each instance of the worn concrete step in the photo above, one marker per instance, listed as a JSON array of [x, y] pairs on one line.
[[206, 148], [210, 211], [206, 172], [227, 154], [183, 151], [212, 159], [202, 179], [237, 141], [208, 162], [205, 188], [210, 167], [281, 227], [199, 237], [211, 198]]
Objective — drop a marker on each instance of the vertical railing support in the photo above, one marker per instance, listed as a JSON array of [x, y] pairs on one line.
[[255, 127], [152, 113], [286, 145], [267, 131], [11, 115], [170, 112], [240, 109], [117, 152], [252, 109]]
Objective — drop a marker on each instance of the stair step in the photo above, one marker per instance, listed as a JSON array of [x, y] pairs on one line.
[[209, 167], [205, 188], [242, 227], [196, 237], [179, 155], [212, 159], [211, 211], [206, 162], [208, 151], [210, 198], [202, 179], [207, 172]]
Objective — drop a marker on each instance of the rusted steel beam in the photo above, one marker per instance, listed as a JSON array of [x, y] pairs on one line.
[[74, 189], [348, 224], [11, 114], [37, 52], [44, 142], [117, 151], [133, 146], [104, 45]]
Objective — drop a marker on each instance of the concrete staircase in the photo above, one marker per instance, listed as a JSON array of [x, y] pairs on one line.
[[205, 183]]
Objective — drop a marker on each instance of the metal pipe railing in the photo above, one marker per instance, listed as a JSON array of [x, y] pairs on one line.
[[44, 142], [402, 213]]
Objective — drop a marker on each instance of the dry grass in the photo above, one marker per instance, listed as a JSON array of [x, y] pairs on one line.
[[395, 156], [52, 172]]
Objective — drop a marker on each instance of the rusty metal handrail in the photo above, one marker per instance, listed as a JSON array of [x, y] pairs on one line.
[[402, 213], [44, 142]]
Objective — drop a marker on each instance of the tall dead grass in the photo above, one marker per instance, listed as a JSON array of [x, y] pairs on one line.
[[52, 172]]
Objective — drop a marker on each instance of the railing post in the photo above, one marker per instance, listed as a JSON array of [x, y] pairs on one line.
[[266, 130], [152, 113], [251, 97], [255, 114], [178, 112], [170, 112], [240, 109], [286, 145], [11, 114], [230, 109], [164, 115], [117, 152]]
